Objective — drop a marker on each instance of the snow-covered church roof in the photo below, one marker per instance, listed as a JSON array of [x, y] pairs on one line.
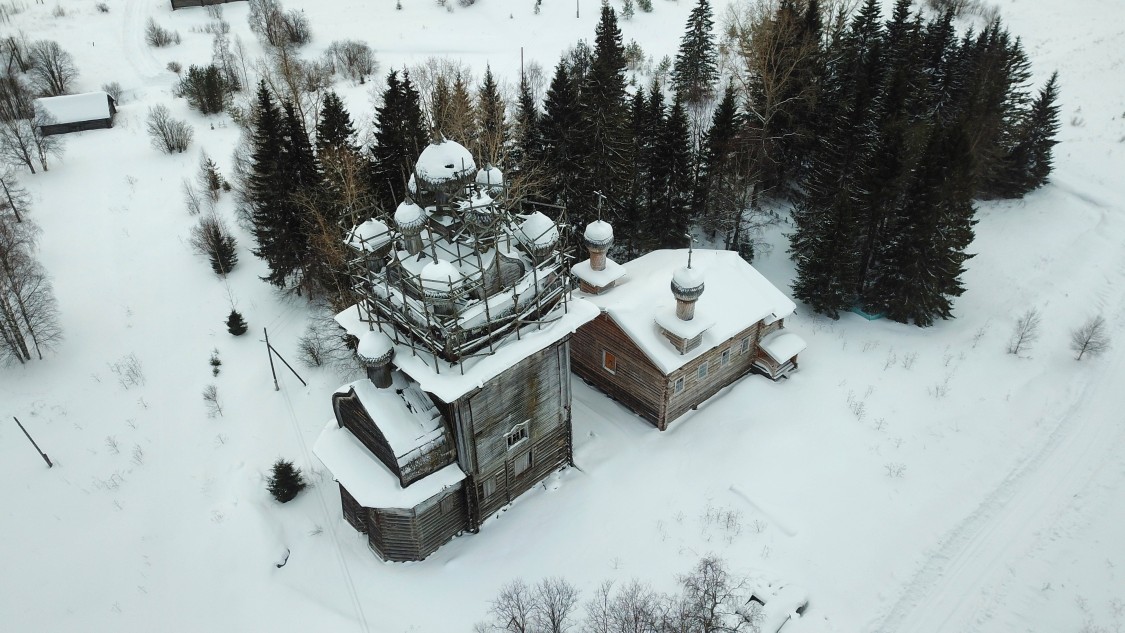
[[737, 297]]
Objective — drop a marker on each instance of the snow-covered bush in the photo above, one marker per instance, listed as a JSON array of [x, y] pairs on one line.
[[236, 325], [158, 36], [285, 481], [167, 134], [212, 239]]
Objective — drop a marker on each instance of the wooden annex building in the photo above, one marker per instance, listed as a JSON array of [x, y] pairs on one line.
[[463, 324], [677, 326], [76, 113], [180, 4]]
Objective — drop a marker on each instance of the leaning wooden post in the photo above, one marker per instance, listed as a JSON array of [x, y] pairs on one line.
[[41, 453], [269, 352]]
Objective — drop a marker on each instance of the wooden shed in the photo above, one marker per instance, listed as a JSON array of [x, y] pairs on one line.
[[643, 352], [75, 113], [180, 4]]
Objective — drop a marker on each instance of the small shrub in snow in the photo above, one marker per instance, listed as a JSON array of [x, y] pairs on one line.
[[1091, 339], [102, 7], [58, 11], [158, 36], [209, 178], [895, 469], [1025, 333], [212, 239], [353, 59], [313, 347], [215, 362], [211, 401], [128, 371], [167, 134], [114, 90], [236, 325], [175, 67], [645, 5], [285, 481]]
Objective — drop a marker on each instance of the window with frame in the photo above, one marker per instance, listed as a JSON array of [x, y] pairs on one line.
[[746, 345], [609, 361], [489, 487], [522, 463], [517, 435], [678, 386], [703, 370], [726, 357]]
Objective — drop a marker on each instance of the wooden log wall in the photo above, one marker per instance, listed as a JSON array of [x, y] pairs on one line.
[[637, 382], [402, 534], [697, 389], [535, 392]]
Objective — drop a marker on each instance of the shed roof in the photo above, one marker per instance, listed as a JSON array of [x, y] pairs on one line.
[[737, 296], [368, 480], [89, 106], [783, 345], [405, 415]]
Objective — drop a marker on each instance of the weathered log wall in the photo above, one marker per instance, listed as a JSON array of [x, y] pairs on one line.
[[637, 382]]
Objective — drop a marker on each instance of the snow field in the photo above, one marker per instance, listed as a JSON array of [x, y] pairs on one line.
[[912, 480]]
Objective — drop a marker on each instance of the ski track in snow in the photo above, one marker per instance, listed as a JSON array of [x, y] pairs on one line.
[[954, 590], [137, 52]]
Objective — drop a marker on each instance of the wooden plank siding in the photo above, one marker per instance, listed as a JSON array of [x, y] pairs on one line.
[[535, 393], [402, 534], [696, 390], [637, 382]]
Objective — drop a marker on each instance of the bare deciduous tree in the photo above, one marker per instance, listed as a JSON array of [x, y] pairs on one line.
[[211, 401], [14, 199], [554, 606], [353, 59], [1091, 339], [167, 134], [1025, 333], [28, 311], [52, 69]]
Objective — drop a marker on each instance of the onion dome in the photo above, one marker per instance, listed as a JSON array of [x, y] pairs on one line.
[[438, 277], [410, 217], [445, 166], [478, 209], [598, 235], [538, 232], [490, 177], [375, 349], [687, 283]]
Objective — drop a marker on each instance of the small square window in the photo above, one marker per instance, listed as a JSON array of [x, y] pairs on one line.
[[517, 435], [746, 345], [679, 386], [489, 487], [609, 361], [726, 357], [522, 463], [703, 370]]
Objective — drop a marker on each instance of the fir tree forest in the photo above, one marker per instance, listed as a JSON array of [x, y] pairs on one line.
[[874, 133]]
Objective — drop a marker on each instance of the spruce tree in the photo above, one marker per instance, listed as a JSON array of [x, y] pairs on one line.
[[672, 214], [277, 222], [400, 136], [560, 136], [1029, 163], [285, 481], [603, 127], [528, 136], [334, 129], [696, 70], [460, 124], [236, 325], [492, 130]]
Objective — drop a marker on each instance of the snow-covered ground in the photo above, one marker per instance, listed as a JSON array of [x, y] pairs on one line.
[[912, 480]]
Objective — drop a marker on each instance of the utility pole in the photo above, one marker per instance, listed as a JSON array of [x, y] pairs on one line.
[[41, 453], [269, 352]]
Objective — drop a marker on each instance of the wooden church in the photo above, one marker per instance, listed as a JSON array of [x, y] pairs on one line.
[[661, 345], [463, 323]]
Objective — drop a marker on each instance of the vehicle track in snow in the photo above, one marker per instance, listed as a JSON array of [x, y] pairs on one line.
[[949, 592], [133, 45]]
